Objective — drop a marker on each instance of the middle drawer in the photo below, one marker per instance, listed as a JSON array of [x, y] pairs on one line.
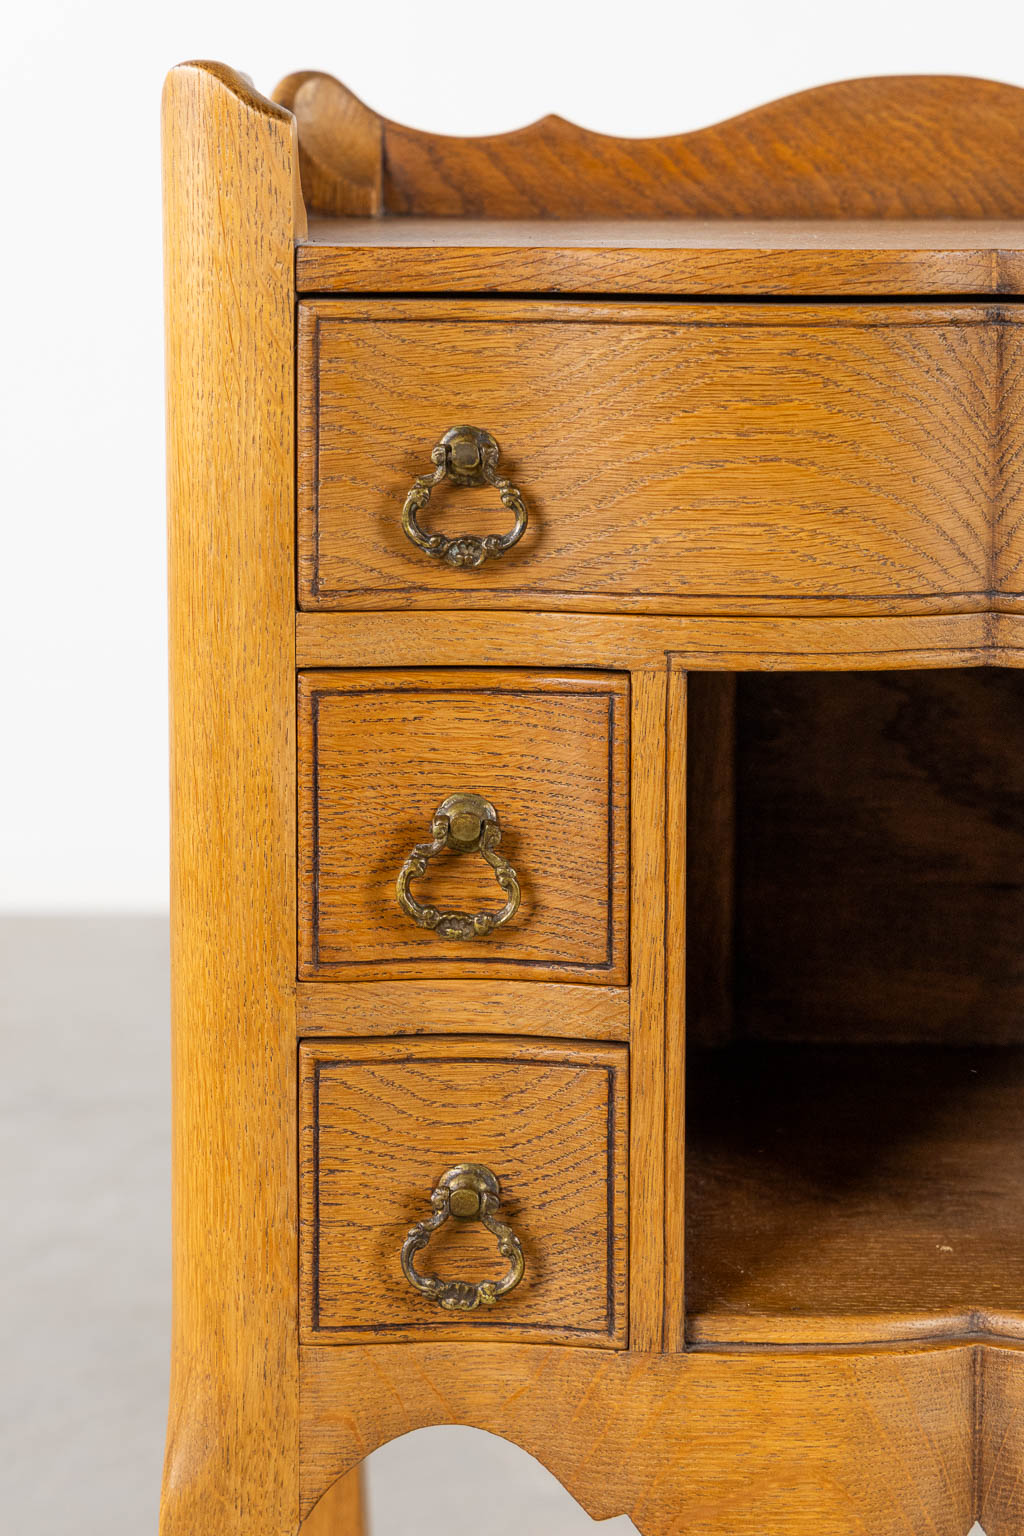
[[452, 776]]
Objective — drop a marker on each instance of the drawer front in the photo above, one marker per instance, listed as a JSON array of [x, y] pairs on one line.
[[669, 457], [381, 752], [382, 1122]]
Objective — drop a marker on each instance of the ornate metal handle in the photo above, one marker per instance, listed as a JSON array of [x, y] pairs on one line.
[[469, 1192], [465, 824], [466, 456]]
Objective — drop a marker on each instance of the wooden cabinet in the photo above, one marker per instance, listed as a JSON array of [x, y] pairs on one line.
[[598, 897]]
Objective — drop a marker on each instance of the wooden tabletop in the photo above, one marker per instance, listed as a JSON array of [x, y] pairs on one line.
[[685, 257]]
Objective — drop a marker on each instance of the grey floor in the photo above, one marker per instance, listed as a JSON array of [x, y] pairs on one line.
[[84, 1295]]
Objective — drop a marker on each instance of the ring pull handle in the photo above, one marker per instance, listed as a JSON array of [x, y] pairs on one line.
[[464, 824], [465, 456], [468, 1192]]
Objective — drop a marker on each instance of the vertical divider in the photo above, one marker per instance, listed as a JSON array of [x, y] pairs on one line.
[[649, 698], [675, 1005]]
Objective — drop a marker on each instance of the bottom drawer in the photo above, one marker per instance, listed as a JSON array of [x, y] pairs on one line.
[[383, 1121]]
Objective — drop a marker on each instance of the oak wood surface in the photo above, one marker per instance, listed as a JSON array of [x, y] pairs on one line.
[[714, 486], [708, 854], [380, 751], [717, 258], [1008, 530], [740, 1444], [907, 146], [641, 644], [670, 455], [229, 222], [842, 1194], [463, 1007], [340, 147], [383, 1120], [678, 718], [999, 1415], [880, 857], [342, 1510], [647, 998]]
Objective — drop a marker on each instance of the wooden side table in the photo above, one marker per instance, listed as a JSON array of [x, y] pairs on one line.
[[597, 589]]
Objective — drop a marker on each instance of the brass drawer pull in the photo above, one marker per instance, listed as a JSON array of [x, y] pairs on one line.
[[466, 456], [465, 824], [469, 1192]]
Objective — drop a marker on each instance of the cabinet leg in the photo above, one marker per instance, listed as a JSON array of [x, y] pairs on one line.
[[342, 1510]]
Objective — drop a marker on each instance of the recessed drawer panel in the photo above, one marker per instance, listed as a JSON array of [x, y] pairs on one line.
[[670, 458], [499, 797], [531, 1136]]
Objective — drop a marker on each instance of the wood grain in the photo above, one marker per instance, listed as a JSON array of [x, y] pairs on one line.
[[880, 856], [647, 1011], [341, 146], [341, 1511], [844, 1194], [901, 146], [869, 259], [229, 226], [714, 487], [641, 644], [1007, 636], [463, 1007], [729, 454], [740, 1444], [677, 960], [999, 1460], [1008, 530], [383, 1120], [709, 871], [379, 752]]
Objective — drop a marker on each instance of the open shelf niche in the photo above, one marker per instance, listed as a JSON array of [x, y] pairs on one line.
[[855, 1006]]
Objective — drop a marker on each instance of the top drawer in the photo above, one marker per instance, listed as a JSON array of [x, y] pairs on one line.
[[672, 457]]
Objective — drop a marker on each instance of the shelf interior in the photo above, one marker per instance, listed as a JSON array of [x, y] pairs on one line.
[[855, 1193], [855, 1007]]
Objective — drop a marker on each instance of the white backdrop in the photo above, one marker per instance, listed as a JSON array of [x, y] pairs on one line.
[[83, 760]]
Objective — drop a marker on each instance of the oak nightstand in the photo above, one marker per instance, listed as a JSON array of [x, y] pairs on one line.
[[597, 584]]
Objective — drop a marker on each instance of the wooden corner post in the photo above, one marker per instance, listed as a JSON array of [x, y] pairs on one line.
[[231, 215]]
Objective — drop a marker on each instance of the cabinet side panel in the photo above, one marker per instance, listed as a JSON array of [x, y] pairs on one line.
[[229, 221], [880, 843]]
